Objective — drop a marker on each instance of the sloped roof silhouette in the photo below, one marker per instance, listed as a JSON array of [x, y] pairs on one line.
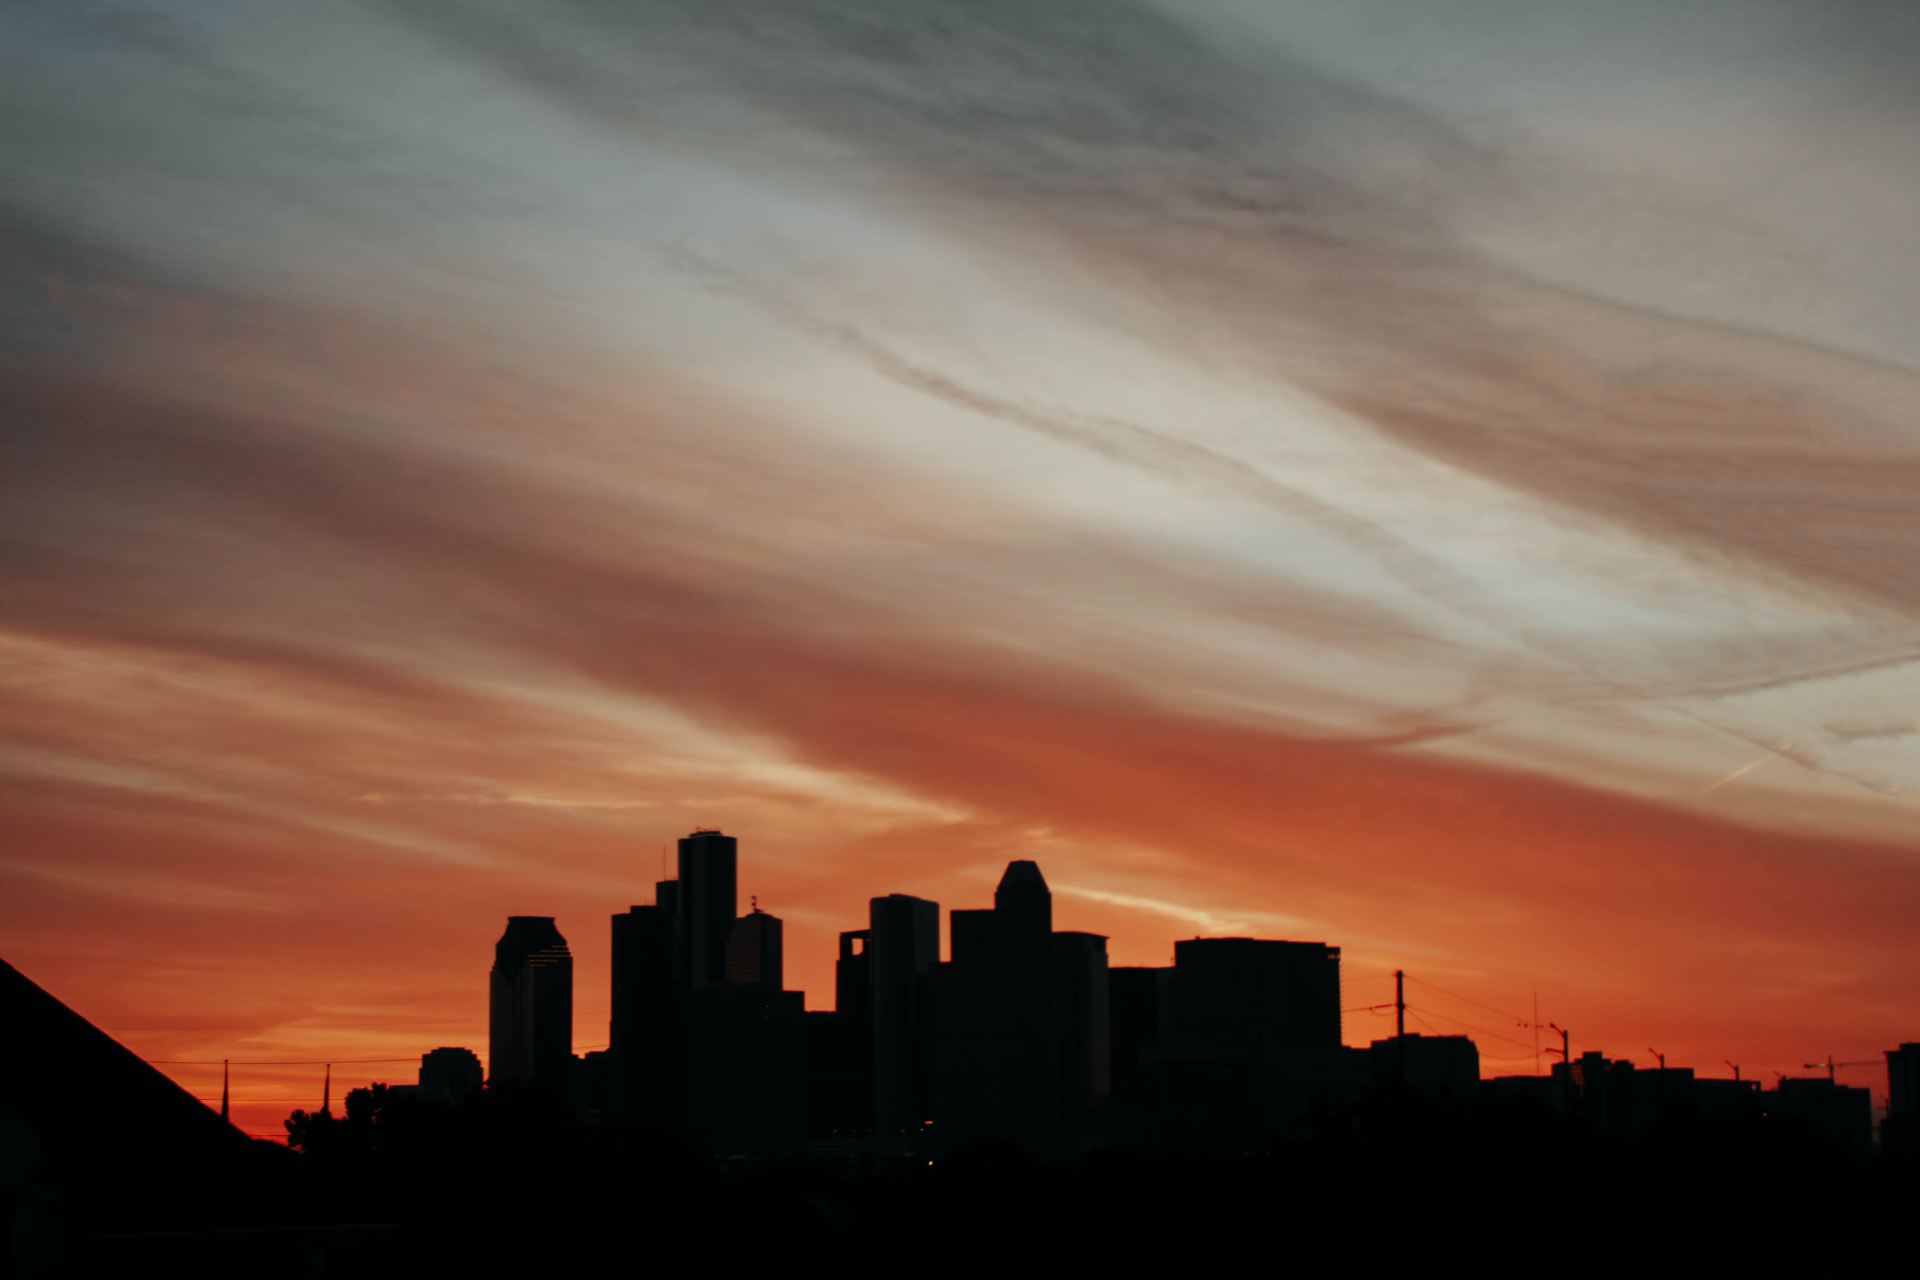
[[97, 1110], [1022, 876]]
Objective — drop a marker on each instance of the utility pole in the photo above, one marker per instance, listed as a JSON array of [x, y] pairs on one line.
[[1566, 1057], [1400, 1023], [326, 1092], [226, 1072], [1661, 1057], [1736, 1069]]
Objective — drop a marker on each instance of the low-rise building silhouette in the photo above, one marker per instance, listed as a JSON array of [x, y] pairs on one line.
[[1256, 993], [1238, 1041], [1836, 1116], [449, 1075], [1430, 1068]]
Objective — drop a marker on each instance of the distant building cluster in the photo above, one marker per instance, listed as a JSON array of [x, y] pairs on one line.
[[1024, 1034], [1181, 1084]]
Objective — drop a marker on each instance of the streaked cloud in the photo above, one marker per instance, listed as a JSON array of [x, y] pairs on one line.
[[1357, 470]]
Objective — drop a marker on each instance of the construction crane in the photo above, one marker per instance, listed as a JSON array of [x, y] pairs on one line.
[[1831, 1065]]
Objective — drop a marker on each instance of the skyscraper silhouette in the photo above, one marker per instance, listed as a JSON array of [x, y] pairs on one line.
[[1081, 1025], [903, 945], [648, 1014], [853, 977], [1019, 1021], [643, 968], [1140, 1015], [840, 1048], [704, 1041], [531, 1019], [1903, 1082], [705, 903], [755, 958], [1022, 899], [1901, 1129]]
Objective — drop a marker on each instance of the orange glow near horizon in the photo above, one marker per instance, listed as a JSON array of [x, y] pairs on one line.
[[1421, 510]]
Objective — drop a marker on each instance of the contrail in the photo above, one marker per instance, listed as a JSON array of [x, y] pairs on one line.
[[1745, 768]]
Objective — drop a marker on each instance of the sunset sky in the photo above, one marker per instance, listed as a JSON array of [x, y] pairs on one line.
[[1438, 477]]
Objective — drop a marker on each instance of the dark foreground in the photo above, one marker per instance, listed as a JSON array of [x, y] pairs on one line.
[[524, 1192]]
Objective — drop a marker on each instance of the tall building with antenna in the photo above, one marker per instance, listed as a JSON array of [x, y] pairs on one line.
[[704, 1040], [707, 897]]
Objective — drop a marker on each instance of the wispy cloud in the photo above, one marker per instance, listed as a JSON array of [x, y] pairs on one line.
[[1288, 454]]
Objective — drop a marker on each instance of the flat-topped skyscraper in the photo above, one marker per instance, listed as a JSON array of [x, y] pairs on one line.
[[903, 943], [643, 974], [704, 906], [754, 952]]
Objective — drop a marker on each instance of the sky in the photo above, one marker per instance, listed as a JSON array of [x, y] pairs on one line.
[[1436, 477]]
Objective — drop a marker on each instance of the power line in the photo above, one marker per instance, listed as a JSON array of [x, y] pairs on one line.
[[299, 1062], [1461, 1022], [305, 1062], [1423, 1022], [256, 1102], [1518, 1021]]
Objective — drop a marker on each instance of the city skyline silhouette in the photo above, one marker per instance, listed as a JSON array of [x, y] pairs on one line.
[[1171, 605], [929, 990], [942, 1082], [746, 954], [1293, 474]]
